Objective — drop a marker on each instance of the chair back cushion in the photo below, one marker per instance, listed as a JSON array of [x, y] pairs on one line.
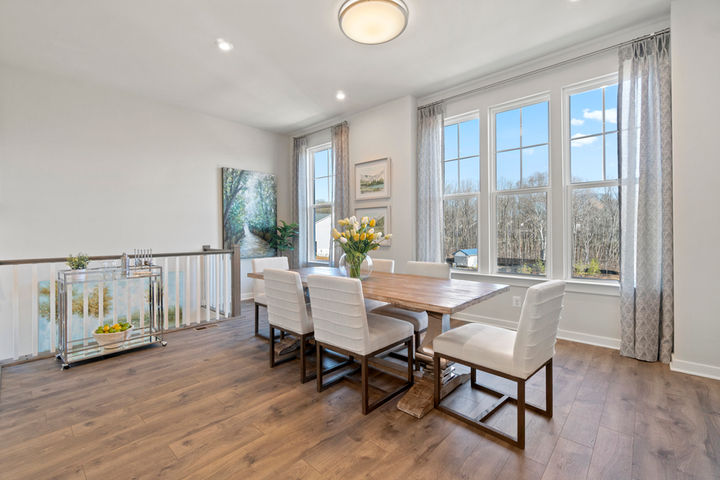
[[383, 265], [538, 327], [338, 312], [286, 301], [259, 265], [428, 269]]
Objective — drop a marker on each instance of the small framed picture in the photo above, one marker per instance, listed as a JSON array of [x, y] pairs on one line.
[[372, 179], [381, 214]]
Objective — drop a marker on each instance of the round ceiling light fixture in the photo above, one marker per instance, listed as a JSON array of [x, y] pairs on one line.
[[373, 21]]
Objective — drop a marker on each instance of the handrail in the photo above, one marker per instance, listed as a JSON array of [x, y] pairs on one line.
[[29, 261]]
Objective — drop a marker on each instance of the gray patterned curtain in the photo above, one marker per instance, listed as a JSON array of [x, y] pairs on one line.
[[430, 224], [341, 183], [298, 201], [645, 153]]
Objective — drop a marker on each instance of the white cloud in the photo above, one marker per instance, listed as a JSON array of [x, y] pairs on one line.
[[576, 122], [610, 115], [583, 141]]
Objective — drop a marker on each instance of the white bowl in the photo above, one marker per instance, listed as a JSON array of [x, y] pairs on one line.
[[111, 341]]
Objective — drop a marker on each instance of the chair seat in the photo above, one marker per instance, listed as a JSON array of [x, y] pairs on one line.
[[419, 320], [260, 299], [483, 345], [384, 331], [279, 322]]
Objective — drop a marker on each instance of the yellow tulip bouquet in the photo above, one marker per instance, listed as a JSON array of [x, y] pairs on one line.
[[356, 240]]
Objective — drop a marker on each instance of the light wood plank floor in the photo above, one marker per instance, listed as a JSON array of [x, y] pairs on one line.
[[208, 406]]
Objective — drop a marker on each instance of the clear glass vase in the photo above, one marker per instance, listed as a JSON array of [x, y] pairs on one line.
[[356, 265]]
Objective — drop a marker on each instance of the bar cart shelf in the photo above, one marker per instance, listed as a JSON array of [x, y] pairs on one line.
[[149, 331]]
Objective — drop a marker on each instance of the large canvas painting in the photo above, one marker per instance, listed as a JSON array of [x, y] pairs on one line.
[[249, 203]]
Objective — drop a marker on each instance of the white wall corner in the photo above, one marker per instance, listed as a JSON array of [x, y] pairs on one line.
[[693, 368], [579, 337]]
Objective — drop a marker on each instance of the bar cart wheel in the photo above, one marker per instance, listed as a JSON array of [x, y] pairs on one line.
[[65, 366], [163, 343]]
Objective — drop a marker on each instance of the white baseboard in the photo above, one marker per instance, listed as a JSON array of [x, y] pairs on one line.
[[246, 296], [597, 340], [692, 368]]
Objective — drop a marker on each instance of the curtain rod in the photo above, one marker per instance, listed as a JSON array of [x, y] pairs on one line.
[[543, 69], [344, 122]]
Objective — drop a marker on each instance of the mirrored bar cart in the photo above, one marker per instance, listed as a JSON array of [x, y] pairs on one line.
[[90, 298]]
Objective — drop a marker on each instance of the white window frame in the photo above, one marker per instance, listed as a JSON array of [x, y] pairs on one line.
[[569, 186], [312, 259], [494, 192], [454, 120]]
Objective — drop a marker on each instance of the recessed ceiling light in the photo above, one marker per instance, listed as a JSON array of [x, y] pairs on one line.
[[373, 21], [224, 45], [340, 95]]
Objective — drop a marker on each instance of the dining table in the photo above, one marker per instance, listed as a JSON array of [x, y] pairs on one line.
[[439, 297]]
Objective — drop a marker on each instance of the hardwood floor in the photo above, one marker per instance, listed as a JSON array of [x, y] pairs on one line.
[[208, 406]]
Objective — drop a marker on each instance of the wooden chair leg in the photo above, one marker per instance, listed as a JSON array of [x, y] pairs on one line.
[[549, 389], [411, 363], [364, 377], [272, 345], [521, 414], [436, 371], [257, 320], [319, 366], [302, 357]]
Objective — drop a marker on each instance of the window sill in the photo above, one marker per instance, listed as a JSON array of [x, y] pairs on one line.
[[592, 287]]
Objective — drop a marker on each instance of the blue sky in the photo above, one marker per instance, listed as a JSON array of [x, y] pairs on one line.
[[586, 118]]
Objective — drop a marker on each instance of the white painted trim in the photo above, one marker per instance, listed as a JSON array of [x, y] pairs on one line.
[[246, 296], [693, 368], [579, 337], [591, 287]]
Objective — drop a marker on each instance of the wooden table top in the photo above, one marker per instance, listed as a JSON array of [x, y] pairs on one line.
[[416, 293]]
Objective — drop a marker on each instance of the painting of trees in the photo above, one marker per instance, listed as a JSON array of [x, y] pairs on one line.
[[249, 209]]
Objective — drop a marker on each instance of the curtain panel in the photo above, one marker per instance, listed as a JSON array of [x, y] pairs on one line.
[[298, 201], [645, 157], [430, 224], [341, 181]]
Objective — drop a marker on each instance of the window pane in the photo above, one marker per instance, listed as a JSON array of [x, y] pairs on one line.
[[586, 113], [321, 163], [470, 174], [507, 130], [451, 176], [469, 138], [611, 108], [321, 233], [535, 166], [611, 156], [521, 233], [535, 124], [586, 159], [322, 190], [461, 231], [508, 169], [596, 233], [451, 139]]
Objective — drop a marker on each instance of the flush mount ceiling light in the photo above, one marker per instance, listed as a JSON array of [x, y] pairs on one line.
[[340, 95], [224, 45], [373, 21]]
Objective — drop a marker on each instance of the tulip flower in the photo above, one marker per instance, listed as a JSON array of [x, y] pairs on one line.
[[343, 240], [372, 222]]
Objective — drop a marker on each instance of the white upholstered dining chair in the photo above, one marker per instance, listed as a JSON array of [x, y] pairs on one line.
[[384, 266], [259, 297], [516, 356], [288, 312], [419, 320], [343, 326]]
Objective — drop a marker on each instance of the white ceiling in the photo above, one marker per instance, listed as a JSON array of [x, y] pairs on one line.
[[290, 56]]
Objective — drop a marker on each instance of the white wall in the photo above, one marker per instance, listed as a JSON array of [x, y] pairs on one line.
[[695, 41], [389, 131], [87, 168]]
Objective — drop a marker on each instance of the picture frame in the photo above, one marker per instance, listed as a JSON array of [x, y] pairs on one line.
[[381, 213], [372, 179]]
